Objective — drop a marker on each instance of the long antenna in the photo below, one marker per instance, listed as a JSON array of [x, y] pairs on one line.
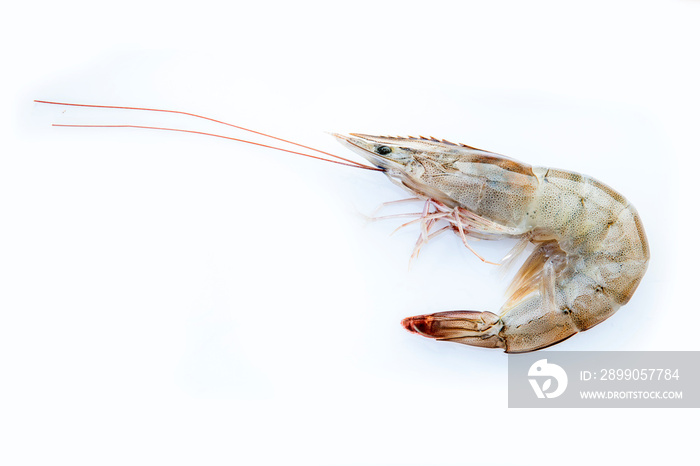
[[349, 162], [353, 165]]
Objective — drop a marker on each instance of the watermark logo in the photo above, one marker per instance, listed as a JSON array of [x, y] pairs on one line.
[[604, 379], [547, 372]]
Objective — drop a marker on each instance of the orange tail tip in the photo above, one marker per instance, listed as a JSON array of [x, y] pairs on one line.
[[469, 327]]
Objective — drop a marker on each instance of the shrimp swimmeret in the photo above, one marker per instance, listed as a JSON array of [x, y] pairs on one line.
[[590, 253]]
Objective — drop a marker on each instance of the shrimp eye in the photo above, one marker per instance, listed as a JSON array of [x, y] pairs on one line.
[[383, 150]]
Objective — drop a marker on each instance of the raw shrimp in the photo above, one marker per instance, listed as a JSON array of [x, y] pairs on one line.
[[590, 247], [590, 253]]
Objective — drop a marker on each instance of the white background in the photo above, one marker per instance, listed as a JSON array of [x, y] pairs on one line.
[[176, 299]]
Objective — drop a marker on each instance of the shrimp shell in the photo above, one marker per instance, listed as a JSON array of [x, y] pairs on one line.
[[591, 250]]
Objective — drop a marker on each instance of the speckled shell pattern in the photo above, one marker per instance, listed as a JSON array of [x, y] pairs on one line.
[[597, 244], [603, 256]]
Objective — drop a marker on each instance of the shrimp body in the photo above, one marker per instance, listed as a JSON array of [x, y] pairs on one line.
[[590, 247], [590, 253]]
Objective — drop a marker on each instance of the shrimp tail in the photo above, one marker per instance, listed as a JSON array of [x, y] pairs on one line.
[[468, 327]]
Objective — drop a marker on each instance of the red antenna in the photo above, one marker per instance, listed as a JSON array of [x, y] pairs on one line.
[[346, 162]]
